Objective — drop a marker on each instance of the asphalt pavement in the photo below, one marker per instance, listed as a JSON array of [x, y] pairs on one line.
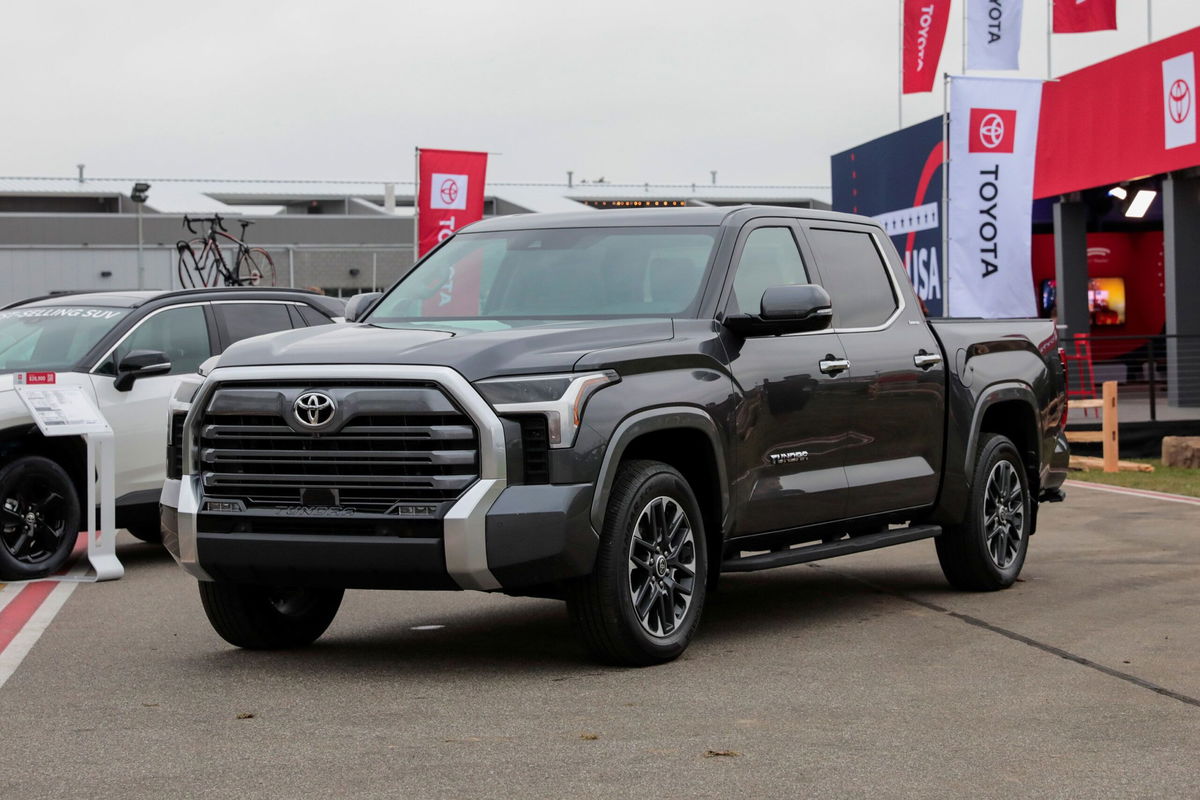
[[859, 677]]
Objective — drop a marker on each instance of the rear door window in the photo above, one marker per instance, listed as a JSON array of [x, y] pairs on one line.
[[311, 316], [855, 275], [239, 321]]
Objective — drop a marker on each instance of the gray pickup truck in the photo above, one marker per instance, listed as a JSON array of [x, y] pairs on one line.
[[612, 408]]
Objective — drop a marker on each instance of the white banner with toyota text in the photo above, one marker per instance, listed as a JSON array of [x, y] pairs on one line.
[[994, 34], [993, 141]]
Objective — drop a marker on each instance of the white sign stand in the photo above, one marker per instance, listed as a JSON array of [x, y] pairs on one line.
[[66, 410]]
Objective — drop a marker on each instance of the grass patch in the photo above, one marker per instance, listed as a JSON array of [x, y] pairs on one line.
[[1174, 480]]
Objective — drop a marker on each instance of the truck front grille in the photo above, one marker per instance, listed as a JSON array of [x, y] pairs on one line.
[[392, 448]]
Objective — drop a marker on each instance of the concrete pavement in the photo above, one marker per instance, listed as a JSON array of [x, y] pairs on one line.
[[858, 677]]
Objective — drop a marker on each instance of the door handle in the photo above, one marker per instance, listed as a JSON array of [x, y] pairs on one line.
[[832, 366], [926, 360]]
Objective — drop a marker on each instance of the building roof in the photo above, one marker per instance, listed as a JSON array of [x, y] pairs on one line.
[[264, 197]]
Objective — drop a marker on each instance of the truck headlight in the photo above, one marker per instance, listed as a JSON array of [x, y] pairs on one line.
[[561, 398]]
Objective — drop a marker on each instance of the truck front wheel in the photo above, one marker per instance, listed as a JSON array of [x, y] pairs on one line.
[[986, 552], [267, 617], [642, 603]]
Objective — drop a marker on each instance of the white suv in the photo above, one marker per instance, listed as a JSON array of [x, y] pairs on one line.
[[128, 350]]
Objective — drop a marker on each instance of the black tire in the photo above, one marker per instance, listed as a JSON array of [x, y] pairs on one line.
[[39, 518], [986, 552], [143, 523], [150, 534], [602, 605], [268, 618]]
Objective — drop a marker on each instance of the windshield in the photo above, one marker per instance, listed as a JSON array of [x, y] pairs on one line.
[[555, 273], [52, 337]]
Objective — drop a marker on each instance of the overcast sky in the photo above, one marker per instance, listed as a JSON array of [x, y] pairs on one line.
[[656, 90]]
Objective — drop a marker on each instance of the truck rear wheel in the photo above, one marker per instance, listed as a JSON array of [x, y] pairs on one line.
[[642, 603], [39, 518], [986, 552], [267, 617]]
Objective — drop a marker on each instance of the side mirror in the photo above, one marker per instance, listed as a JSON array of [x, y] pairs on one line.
[[140, 364], [358, 306], [786, 309]]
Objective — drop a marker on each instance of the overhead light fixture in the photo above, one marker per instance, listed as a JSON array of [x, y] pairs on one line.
[[1141, 203], [1118, 192]]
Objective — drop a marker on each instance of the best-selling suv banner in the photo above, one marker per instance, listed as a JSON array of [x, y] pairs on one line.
[[897, 179], [993, 34], [449, 193], [993, 143], [924, 32]]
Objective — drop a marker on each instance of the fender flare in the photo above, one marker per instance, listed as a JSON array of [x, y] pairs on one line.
[[999, 393], [656, 419]]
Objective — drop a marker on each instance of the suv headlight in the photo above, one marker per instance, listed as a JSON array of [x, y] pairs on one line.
[[561, 398]]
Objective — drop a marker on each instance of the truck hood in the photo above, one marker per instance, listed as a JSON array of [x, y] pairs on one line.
[[526, 349]]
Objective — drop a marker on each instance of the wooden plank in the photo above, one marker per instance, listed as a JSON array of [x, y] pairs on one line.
[[1109, 426], [1097, 403], [1085, 436], [1086, 463]]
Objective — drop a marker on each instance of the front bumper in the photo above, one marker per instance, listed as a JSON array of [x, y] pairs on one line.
[[495, 536], [533, 535]]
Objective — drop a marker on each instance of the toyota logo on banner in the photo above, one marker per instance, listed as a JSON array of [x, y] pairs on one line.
[[1179, 101], [1178, 81], [314, 409], [993, 130], [448, 191]]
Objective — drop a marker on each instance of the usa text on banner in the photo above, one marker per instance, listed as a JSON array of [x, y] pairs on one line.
[[1084, 16], [924, 32], [994, 34], [993, 137], [449, 193]]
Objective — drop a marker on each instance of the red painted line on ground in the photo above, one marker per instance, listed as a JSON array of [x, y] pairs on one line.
[[17, 613], [1104, 487]]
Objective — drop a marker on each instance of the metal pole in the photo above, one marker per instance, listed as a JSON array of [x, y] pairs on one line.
[[141, 283], [1149, 21], [964, 37], [1049, 33], [416, 203], [1153, 374], [374, 272], [900, 70], [945, 215], [292, 267]]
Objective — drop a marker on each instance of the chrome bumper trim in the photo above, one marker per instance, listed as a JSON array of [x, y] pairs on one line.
[[464, 533]]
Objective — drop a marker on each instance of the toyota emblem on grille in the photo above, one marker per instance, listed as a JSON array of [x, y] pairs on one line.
[[313, 409]]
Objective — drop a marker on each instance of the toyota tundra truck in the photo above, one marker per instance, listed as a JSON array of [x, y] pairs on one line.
[[612, 408]]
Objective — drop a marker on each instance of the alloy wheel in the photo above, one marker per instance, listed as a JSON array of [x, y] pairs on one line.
[[662, 566], [1004, 514], [32, 522]]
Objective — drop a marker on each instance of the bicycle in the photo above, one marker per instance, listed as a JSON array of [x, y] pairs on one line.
[[202, 264]]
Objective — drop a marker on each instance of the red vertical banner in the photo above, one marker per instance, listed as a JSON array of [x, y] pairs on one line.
[[924, 33], [1084, 16], [449, 193]]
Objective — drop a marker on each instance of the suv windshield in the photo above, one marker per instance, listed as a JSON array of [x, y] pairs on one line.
[[555, 273], [52, 337]]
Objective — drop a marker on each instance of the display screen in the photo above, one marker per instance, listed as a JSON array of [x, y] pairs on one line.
[[1106, 300]]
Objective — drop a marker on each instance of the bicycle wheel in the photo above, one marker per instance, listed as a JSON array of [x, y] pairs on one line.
[[195, 264], [256, 268]]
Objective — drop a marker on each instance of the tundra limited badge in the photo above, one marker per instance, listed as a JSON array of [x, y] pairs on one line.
[[788, 457]]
